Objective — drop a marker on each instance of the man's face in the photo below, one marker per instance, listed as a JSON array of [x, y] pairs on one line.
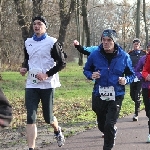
[[108, 44], [136, 46], [39, 27]]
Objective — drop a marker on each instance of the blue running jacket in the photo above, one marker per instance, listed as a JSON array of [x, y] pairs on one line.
[[120, 66]]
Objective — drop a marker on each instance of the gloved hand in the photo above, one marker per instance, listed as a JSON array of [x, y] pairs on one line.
[[122, 80]]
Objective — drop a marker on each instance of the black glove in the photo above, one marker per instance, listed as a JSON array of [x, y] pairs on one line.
[[5, 111]]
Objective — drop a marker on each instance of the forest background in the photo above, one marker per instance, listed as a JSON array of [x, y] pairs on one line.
[[83, 20]]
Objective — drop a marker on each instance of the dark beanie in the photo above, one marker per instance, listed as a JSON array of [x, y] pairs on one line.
[[148, 45], [136, 40], [41, 18], [110, 33]]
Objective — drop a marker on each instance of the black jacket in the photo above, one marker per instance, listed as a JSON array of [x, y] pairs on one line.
[[5, 111], [136, 56]]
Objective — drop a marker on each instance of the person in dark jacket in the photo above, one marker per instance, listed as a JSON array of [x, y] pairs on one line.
[[143, 67], [112, 71], [5, 111], [136, 86]]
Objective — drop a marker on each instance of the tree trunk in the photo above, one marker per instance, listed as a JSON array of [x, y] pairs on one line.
[[22, 18], [85, 21], [20, 5], [65, 19], [1, 1], [145, 22], [138, 19], [80, 60]]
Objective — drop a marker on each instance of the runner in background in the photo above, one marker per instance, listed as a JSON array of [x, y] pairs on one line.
[[136, 86]]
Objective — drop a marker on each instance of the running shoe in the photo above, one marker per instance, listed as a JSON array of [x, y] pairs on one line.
[[135, 117], [60, 137], [148, 139], [115, 132]]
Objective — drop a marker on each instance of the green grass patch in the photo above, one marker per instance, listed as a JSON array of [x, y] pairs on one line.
[[72, 103]]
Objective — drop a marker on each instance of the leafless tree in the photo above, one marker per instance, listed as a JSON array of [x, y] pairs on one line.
[[138, 19], [145, 22]]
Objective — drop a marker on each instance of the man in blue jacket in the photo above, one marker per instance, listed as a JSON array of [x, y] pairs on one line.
[[112, 70]]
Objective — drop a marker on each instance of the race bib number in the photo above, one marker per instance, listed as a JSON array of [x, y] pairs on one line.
[[107, 93], [136, 79], [32, 76]]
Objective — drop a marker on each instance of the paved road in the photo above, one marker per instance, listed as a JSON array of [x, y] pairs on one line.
[[131, 136]]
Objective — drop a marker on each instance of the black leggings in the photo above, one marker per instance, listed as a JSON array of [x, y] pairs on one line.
[[135, 93], [107, 114]]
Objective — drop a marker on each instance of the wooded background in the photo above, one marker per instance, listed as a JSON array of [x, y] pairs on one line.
[[83, 20]]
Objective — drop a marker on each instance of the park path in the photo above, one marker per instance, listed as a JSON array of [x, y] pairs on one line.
[[131, 136]]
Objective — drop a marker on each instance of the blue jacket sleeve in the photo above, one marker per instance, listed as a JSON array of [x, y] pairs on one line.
[[87, 70], [86, 50], [91, 48], [129, 72]]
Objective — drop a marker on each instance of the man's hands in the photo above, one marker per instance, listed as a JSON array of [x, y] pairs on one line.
[[23, 71], [96, 75], [122, 80], [75, 42], [41, 76]]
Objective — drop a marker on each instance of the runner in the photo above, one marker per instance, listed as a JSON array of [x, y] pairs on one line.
[[112, 71], [44, 58], [136, 86]]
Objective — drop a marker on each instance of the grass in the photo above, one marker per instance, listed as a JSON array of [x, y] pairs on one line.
[[72, 103]]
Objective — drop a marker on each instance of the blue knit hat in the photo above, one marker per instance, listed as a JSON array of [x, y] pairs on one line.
[[110, 33]]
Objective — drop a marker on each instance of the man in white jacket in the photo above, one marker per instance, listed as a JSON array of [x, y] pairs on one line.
[[44, 58]]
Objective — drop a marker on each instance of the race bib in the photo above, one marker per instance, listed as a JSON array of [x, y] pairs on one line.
[[136, 79], [107, 93], [32, 75]]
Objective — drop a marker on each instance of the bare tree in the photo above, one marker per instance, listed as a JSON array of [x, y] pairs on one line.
[[145, 21], [23, 19], [77, 12], [16, 26], [65, 16], [85, 21], [0, 36], [138, 19]]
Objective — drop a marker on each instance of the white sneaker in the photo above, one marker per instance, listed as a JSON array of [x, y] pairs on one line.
[[102, 135], [148, 139], [115, 128], [60, 138], [135, 117], [115, 132]]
